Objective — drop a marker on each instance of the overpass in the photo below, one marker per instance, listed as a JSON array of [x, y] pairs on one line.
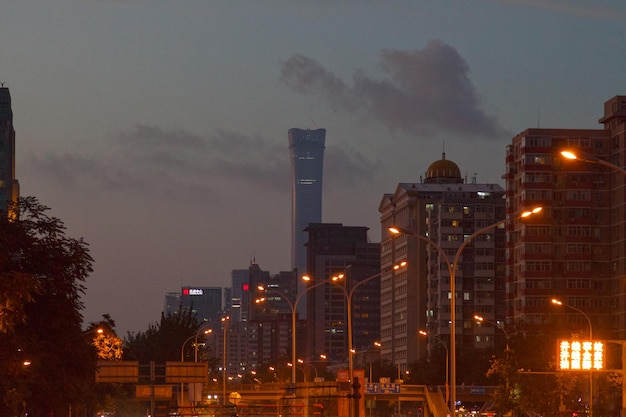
[[331, 399]]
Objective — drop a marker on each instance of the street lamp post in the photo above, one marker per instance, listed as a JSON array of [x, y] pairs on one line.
[[559, 303], [224, 362], [348, 295], [584, 157], [496, 325], [301, 361], [293, 306], [452, 273], [195, 358], [438, 339]]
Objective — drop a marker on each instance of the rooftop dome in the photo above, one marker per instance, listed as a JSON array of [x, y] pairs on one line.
[[443, 170]]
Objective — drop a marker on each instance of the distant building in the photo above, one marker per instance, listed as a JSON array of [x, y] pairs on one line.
[[256, 333], [446, 210], [204, 302], [333, 249], [306, 149], [575, 250], [240, 289], [271, 320], [9, 186]]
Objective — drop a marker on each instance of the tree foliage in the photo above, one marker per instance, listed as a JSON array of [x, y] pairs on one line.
[[162, 341], [528, 383], [46, 360]]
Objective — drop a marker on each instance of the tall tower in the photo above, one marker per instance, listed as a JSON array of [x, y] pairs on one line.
[[306, 148], [9, 187]]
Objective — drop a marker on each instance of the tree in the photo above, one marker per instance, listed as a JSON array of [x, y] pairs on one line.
[[46, 360], [526, 378], [162, 341]]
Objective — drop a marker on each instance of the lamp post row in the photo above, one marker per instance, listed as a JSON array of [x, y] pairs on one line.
[[452, 266]]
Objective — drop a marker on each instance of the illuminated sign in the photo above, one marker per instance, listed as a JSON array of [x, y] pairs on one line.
[[577, 355], [192, 291]]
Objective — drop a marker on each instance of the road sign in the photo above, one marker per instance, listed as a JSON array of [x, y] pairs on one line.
[[371, 388], [383, 388], [234, 398], [117, 371], [477, 390], [177, 372], [156, 391]]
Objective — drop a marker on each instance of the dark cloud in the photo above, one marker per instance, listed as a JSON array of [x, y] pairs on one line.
[[347, 168], [179, 164], [426, 90]]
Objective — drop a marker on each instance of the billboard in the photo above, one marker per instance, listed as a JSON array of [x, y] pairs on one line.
[[580, 355]]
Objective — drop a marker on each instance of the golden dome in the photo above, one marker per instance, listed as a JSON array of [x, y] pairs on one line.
[[443, 169]]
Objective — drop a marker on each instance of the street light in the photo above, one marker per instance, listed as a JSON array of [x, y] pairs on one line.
[[585, 157], [452, 272], [301, 361], [348, 295], [294, 309], [225, 330], [438, 339], [195, 337], [182, 353], [376, 349], [494, 324], [559, 303]]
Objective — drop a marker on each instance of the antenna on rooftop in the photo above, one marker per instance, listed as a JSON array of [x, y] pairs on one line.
[[539, 116]]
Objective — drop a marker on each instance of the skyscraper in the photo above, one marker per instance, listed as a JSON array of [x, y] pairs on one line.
[[9, 187], [306, 148]]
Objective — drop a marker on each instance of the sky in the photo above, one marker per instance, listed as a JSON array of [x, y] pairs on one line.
[[157, 129]]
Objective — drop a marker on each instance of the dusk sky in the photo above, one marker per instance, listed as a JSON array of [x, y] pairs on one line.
[[157, 129]]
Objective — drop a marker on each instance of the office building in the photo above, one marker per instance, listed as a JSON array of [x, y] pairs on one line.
[[9, 186], [237, 307], [271, 320], [205, 303], [575, 251], [306, 149], [445, 209], [335, 249]]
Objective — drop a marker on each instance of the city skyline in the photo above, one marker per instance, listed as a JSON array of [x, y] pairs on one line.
[[158, 131]]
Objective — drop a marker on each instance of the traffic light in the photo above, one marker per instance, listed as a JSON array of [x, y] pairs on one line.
[[356, 389]]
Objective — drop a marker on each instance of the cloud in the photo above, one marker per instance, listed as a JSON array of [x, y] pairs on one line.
[[426, 90], [175, 163], [583, 9]]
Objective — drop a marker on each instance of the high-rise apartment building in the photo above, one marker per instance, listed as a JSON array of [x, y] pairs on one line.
[[575, 250], [335, 249], [9, 187], [446, 210], [306, 149]]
